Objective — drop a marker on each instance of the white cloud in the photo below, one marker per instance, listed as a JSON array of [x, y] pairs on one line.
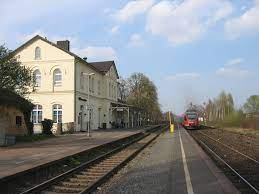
[[235, 61], [183, 76], [136, 40], [185, 21], [246, 24], [232, 72], [115, 29], [99, 53], [133, 9]]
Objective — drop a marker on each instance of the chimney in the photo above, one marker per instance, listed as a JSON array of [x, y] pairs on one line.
[[64, 44], [85, 58]]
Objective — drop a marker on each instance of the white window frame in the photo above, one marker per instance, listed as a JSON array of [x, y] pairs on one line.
[[37, 77], [99, 87], [93, 84], [57, 108], [37, 109], [110, 89], [82, 81], [37, 53], [55, 73]]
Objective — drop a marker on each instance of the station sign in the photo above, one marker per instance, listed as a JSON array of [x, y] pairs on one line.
[[119, 109]]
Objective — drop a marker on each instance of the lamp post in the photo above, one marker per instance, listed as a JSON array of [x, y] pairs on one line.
[[88, 102]]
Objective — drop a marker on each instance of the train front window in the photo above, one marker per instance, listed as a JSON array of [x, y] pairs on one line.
[[192, 116]]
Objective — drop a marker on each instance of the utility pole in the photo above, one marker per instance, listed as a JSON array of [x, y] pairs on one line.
[[88, 102]]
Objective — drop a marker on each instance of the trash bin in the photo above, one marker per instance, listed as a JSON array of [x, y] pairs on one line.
[[104, 125]]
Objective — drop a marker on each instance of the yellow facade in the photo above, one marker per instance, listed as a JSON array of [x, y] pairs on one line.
[[72, 91]]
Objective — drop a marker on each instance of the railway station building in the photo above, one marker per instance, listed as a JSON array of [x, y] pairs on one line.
[[72, 91]]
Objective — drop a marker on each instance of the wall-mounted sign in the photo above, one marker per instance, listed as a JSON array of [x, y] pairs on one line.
[[82, 99], [119, 109]]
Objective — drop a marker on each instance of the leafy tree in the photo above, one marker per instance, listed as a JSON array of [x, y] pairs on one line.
[[252, 104], [14, 76]]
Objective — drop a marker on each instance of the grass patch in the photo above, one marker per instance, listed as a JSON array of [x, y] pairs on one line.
[[74, 161], [243, 131], [32, 138]]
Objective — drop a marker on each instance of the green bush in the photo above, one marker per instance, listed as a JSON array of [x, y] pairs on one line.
[[47, 125], [74, 161], [235, 119]]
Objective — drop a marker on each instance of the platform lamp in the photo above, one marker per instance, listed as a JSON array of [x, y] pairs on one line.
[[88, 102]]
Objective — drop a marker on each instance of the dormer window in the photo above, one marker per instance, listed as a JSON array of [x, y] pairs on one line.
[[37, 53]]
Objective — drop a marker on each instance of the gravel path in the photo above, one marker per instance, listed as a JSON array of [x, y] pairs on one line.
[[147, 173], [160, 169]]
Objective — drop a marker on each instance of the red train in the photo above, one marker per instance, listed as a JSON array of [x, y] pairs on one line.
[[191, 120]]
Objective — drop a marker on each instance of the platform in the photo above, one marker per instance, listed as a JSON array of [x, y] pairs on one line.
[[24, 156], [174, 164]]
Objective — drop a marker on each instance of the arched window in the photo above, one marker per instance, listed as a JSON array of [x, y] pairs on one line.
[[37, 53], [109, 89], [93, 84], [57, 113], [82, 81], [57, 76], [37, 78], [99, 87], [36, 116]]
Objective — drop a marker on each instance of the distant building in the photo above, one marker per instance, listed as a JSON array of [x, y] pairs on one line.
[[13, 112], [63, 80], [252, 115]]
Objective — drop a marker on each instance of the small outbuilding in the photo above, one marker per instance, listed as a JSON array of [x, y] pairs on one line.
[[15, 114]]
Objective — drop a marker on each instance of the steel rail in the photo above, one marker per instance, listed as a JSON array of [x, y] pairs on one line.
[[40, 187], [248, 157], [229, 166]]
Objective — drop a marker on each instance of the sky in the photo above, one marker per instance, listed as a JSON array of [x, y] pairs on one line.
[[190, 49]]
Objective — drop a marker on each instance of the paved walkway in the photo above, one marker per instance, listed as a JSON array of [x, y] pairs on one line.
[[24, 156], [174, 164]]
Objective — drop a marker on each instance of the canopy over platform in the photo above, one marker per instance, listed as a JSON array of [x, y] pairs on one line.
[[125, 115]]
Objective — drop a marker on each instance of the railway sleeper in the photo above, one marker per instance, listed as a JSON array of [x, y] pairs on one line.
[[52, 192], [75, 184], [93, 173], [82, 181], [123, 156], [103, 167], [109, 163], [114, 161], [97, 170], [85, 177], [67, 189]]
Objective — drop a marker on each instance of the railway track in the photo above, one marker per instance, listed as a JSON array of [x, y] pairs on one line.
[[242, 169], [90, 175]]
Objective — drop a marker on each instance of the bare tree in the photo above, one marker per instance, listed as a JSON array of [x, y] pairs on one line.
[[142, 93]]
